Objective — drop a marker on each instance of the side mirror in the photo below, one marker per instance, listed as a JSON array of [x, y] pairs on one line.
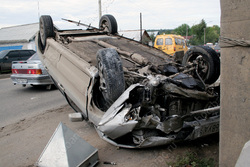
[[6, 58]]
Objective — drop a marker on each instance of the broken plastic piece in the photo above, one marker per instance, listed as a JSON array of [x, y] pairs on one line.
[[109, 163]]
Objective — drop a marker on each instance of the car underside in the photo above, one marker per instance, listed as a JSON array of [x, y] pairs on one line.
[[135, 95]]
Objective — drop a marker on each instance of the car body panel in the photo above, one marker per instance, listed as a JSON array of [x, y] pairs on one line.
[[113, 123], [31, 80], [60, 62]]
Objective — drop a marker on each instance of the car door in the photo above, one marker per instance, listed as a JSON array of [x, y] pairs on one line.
[[169, 49], [180, 43], [159, 43], [7, 60]]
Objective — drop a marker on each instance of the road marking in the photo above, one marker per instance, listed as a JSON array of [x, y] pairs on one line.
[[4, 78]]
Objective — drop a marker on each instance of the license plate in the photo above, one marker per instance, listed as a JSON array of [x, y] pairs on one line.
[[22, 81], [209, 129]]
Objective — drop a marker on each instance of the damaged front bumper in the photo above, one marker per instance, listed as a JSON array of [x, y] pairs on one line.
[[122, 125]]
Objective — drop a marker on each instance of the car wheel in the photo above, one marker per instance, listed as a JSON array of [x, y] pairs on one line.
[[108, 23], [46, 29], [208, 64], [111, 74]]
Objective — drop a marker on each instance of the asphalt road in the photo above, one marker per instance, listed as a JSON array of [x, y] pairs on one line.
[[17, 102]]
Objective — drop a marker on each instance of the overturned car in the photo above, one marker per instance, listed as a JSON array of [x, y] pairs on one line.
[[135, 95]]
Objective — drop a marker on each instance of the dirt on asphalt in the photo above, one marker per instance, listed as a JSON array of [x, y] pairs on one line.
[[22, 143]]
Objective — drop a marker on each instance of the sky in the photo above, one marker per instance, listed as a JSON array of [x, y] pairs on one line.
[[156, 14]]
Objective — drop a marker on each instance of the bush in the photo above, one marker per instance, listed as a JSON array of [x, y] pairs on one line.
[[190, 159]]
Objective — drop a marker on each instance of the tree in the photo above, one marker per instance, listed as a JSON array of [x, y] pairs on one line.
[[198, 33], [166, 32], [212, 34], [182, 30], [152, 36]]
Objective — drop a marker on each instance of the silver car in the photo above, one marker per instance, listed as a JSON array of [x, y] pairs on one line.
[[30, 72], [135, 95]]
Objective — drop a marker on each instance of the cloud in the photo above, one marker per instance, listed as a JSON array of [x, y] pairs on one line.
[[158, 14], [164, 14]]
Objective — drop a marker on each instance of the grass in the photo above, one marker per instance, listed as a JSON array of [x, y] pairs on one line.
[[191, 159]]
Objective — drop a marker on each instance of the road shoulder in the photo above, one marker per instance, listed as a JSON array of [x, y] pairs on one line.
[[3, 76], [23, 142]]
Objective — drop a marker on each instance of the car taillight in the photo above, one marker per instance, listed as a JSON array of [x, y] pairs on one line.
[[26, 71], [14, 71], [174, 48], [34, 71]]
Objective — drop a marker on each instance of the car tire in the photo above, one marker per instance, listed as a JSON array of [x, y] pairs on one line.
[[108, 23], [111, 74], [208, 67], [46, 29]]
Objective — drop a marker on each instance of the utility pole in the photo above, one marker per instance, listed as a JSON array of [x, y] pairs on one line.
[[204, 35], [38, 9], [186, 31], [141, 26], [100, 9]]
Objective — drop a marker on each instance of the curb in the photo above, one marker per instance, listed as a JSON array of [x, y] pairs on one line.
[[3, 76]]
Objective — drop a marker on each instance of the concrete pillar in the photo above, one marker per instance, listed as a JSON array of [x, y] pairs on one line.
[[235, 80]]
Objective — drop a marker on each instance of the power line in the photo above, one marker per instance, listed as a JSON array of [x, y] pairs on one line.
[[107, 4]]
